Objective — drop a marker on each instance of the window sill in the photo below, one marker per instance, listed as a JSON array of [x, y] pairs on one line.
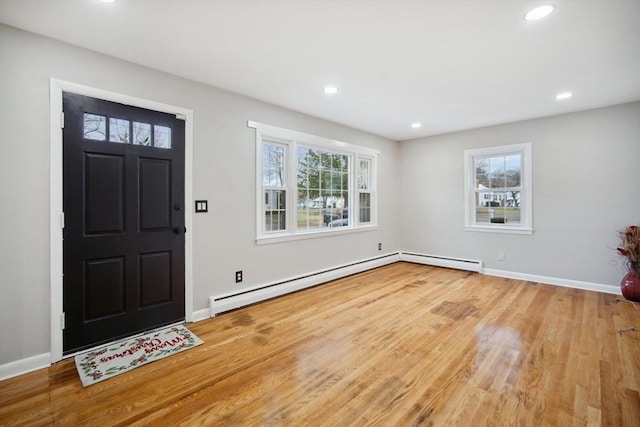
[[280, 238], [499, 229]]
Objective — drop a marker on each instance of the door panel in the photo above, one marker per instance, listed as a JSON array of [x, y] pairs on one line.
[[155, 275], [104, 287], [123, 185], [103, 193], [155, 194]]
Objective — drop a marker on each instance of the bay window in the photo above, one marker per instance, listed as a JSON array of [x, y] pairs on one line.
[[310, 186]]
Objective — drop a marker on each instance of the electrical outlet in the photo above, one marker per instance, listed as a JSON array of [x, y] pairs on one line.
[[379, 246], [501, 256], [238, 276]]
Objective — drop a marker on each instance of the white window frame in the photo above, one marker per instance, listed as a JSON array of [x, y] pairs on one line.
[[526, 193], [292, 139], [274, 187], [369, 186]]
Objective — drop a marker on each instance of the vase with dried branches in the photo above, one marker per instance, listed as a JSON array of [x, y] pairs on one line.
[[630, 249]]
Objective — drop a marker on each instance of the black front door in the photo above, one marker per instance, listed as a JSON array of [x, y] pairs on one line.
[[123, 220]]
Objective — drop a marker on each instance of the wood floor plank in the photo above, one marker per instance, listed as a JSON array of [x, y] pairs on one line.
[[401, 345]]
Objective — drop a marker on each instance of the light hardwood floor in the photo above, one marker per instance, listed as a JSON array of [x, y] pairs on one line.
[[401, 345]]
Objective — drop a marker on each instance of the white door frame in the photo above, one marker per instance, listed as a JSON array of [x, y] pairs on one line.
[[56, 214]]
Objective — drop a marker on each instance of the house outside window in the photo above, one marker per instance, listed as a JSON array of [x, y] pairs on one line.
[[498, 192], [309, 186]]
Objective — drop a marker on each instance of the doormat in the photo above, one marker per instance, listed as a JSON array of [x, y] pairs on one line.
[[114, 359]]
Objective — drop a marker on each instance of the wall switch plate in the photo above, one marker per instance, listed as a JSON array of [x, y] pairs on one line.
[[238, 276], [202, 206]]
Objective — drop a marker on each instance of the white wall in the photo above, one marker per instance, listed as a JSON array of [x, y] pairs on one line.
[[224, 162], [586, 186]]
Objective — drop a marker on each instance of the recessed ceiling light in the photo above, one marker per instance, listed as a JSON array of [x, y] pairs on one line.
[[416, 125], [108, 1], [539, 12], [564, 95], [330, 90]]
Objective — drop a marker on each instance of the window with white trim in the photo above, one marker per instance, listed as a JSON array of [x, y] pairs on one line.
[[274, 174], [498, 194], [309, 186], [364, 189]]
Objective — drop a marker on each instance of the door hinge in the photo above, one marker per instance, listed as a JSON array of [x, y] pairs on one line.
[[62, 220], [181, 117], [62, 120], [62, 321]]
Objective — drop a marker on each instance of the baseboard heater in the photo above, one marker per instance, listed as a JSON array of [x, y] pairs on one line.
[[230, 301], [440, 261]]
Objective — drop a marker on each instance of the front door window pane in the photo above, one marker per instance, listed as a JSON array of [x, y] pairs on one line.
[[161, 137], [95, 127], [141, 134], [119, 130]]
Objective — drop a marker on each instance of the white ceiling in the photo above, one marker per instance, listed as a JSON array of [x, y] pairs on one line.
[[451, 65]]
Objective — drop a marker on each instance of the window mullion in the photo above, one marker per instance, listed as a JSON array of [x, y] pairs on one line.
[[291, 185], [353, 190]]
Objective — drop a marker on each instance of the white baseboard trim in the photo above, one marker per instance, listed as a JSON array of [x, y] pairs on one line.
[[199, 315], [229, 301], [23, 366], [440, 261], [568, 283]]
